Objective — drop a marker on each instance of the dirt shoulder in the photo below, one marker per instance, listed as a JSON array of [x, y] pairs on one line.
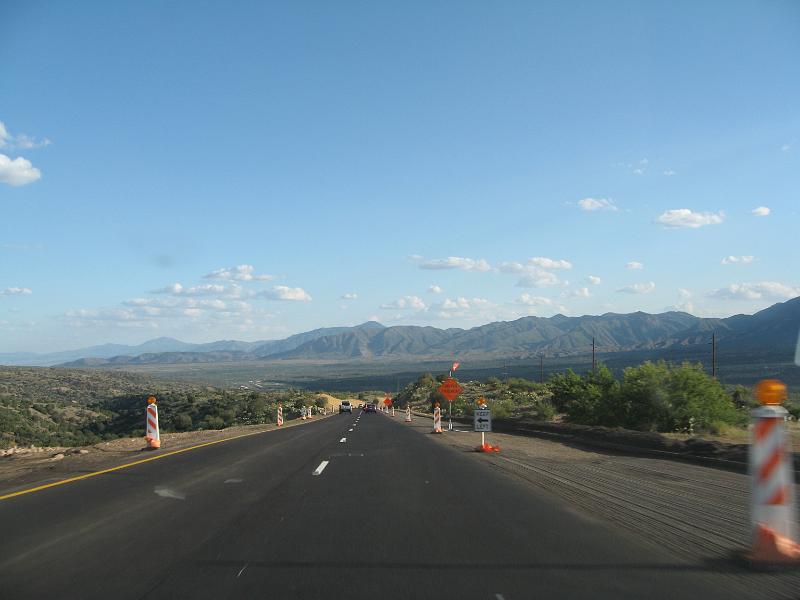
[[29, 467], [701, 450]]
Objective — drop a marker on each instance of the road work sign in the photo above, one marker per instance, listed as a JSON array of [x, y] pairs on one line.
[[450, 389], [483, 419]]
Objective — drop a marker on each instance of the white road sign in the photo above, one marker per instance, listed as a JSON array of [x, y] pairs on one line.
[[483, 419]]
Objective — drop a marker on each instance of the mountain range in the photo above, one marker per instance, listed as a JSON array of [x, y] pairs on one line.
[[772, 330]]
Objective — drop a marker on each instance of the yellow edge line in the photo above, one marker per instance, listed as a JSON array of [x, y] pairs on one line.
[[132, 464]]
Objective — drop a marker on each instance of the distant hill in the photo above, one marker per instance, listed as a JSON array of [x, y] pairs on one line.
[[772, 330], [158, 345]]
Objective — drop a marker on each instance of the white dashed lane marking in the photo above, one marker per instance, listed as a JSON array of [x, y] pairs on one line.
[[320, 468], [343, 440]]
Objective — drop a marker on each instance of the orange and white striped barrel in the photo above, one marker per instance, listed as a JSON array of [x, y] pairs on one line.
[[437, 420], [280, 415], [151, 424], [408, 413], [772, 474]]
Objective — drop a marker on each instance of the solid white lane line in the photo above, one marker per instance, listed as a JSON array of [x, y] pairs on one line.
[[343, 440], [320, 468]]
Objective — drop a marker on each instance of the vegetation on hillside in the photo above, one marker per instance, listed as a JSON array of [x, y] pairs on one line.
[[66, 407], [649, 397]]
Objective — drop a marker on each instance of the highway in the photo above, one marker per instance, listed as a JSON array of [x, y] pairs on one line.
[[359, 506]]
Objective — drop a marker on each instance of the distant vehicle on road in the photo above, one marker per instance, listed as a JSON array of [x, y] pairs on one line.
[[369, 408], [345, 407]]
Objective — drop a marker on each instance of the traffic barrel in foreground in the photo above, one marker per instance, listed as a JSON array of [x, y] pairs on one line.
[[280, 415], [772, 497], [437, 419], [151, 424]]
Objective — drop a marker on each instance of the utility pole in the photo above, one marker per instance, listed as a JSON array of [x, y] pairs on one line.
[[593, 362], [541, 368], [714, 354]]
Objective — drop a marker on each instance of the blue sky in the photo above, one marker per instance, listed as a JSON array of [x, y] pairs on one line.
[[307, 164]]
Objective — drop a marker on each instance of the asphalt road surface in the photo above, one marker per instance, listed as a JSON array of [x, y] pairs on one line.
[[390, 513]]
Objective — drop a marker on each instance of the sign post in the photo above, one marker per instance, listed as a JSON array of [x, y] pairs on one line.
[[482, 421], [450, 389]]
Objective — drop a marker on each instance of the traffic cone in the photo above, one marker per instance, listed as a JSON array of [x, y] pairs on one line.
[[772, 497], [393, 411], [151, 424], [487, 448], [408, 413], [280, 415]]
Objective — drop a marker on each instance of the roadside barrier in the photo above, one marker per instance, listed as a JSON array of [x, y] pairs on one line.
[[151, 424], [280, 415], [437, 420], [408, 413], [303, 413], [772, 496]]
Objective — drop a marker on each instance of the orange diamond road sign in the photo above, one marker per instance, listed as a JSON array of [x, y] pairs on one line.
[[387, 401], [450, 389]]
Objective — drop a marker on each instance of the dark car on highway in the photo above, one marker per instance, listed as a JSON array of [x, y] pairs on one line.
[[369, 408]]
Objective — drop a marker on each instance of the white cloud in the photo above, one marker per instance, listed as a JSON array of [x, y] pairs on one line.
[[581, 293], [745, 260], [238, 273], [686, 218], [456, 262], [529, 300], [406, 302], [173, 288], [539, 279], [465, 308], [786, 147], [669, 172], [597, 204], [765, 290], [349, 296], [549, 263], [685, 303], [20, 141], [282, 292], [534, 271], [176, 289], [638, 288], [18, 171], [638, 171], [761, 211], [15, 291], [435, 289], [595, 280], [634, 265]]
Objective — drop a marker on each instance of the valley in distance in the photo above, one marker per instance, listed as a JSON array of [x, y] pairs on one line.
[[372, 356]]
